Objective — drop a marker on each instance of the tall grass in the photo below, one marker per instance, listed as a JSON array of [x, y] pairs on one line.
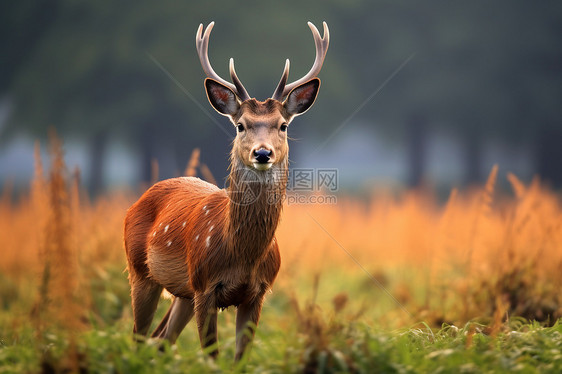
[[450, 261], [53, 242], [388, 261]]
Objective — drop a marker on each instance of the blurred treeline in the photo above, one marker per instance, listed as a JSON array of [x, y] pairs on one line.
[[478, 70]]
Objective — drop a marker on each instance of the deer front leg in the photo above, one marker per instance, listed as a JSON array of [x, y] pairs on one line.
[[245, 331], [206, 317]]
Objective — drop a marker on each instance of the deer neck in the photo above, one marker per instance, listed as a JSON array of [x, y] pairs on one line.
[[254, 207]]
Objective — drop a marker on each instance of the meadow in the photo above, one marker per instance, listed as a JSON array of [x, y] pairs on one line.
[[394, 282]]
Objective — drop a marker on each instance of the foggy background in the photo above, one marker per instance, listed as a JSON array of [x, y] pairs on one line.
[[412, 93]]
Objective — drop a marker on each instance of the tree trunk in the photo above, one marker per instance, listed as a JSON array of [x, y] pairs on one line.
[[215, 154], [98, 151], [417, 150], [147, 152], [549, 154], [472, 157]]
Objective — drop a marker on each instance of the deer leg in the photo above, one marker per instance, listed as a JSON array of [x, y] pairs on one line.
[[145, 295], [247, 318], [161, 329], [206, 317], [179, 314]]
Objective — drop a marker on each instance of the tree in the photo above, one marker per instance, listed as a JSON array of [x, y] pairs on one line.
[[481, 70], [100, 71]]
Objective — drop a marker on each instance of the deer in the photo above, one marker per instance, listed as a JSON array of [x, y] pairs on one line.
[[213, 248]]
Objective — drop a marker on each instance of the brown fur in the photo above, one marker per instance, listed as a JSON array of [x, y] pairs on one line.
[[166, 235], [213, 248]]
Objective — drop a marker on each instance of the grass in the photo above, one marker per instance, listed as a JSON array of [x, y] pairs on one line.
[[282, 346], [395, 284]]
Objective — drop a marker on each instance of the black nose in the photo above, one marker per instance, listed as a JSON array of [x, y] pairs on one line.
[[262, 155]]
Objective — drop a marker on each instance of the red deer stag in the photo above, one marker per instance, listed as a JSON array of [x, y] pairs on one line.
[[212, 248]]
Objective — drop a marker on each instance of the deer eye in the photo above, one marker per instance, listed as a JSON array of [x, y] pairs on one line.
[[283, 127], [240, 127]]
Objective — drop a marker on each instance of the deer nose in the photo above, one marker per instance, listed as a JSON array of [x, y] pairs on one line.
[[262, 155]]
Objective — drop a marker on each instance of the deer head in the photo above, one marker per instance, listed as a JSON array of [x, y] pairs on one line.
[[261, 139]]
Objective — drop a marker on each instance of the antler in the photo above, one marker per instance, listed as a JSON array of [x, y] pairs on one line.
[[202, 42], [321, 43]]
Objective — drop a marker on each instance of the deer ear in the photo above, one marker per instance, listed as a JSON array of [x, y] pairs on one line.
[[301, 98], [222, 98]]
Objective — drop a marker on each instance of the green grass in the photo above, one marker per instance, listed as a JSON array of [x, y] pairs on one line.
[[313, 339], [358, 348]]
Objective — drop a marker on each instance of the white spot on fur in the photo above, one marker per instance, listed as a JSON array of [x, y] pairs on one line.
[[169, 243], [160, 225], [183, 224], [212, 227], [208, 241], [207, 211], [154, 234], [205, 207], [197, 237], [166, 228]]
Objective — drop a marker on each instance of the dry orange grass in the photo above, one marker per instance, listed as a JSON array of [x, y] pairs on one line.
[[94, 232], [446, 263], [458, 259]]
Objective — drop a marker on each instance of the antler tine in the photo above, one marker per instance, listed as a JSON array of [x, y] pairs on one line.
[[278, 94], [202, 43], [242, 93], [321, 44]]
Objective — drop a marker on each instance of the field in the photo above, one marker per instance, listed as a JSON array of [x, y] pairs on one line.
[[395, 282]]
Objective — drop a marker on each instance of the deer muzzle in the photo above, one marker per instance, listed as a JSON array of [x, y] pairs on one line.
[[262, 158]]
